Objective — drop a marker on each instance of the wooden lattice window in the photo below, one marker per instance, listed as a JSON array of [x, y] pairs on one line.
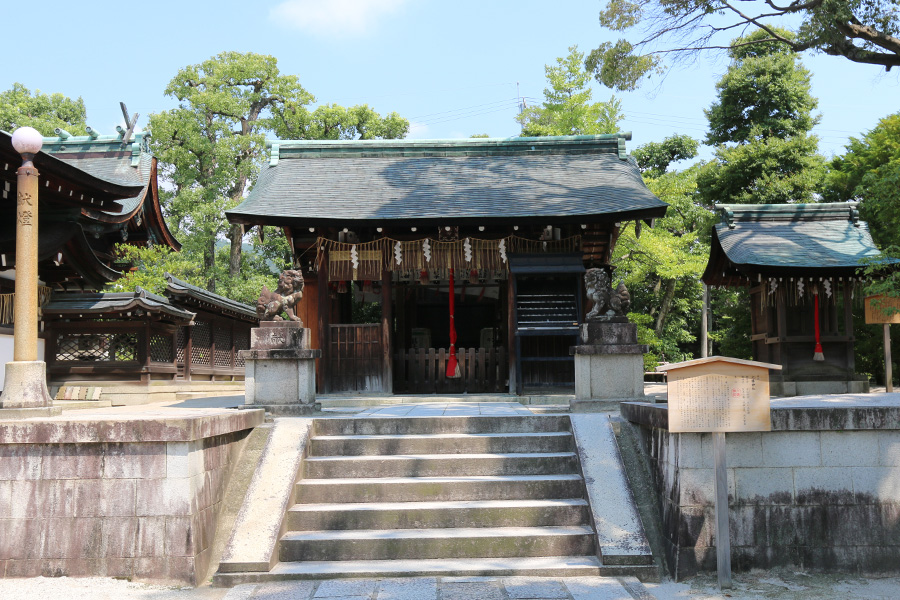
[[201, 343], [96, 347], [223, 345], [241, 342], [160, 348], [181, 346]]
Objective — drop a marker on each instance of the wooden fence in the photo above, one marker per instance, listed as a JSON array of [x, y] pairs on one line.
[[355, 359], [421, 371]]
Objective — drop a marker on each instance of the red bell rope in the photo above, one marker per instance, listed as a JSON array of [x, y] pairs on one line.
[[818, 353], [452, 364]]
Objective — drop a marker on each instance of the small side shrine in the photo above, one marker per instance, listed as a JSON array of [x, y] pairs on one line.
[[475, 250], [800, 263]]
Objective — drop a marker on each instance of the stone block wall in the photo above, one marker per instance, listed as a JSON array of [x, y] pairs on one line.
[[139, 509], [816, 498]]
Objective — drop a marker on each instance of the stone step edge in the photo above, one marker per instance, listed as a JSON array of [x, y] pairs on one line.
[[441, 479], [440, 505], [350, 535], [441, 436], [437, 457], [565, 566]]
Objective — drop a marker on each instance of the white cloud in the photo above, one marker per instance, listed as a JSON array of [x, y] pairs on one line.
[[333, 17]]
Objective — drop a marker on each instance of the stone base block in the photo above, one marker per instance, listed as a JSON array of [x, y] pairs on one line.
[[287, 410], [26, 385], [609, 377], [280, 381], [606, 405], [815, 388], [7, 414]]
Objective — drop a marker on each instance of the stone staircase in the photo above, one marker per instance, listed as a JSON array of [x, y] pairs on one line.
[[439, 496]]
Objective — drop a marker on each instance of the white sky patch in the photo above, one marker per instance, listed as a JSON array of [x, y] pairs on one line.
[[417, 131], [334, 17]]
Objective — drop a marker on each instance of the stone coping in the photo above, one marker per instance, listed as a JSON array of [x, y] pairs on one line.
[[593, 349], [129, 424], [802, 413], [280, 354]]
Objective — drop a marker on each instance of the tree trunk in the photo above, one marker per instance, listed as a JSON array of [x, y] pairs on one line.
[[665, 306], [209, 260], [237, 238]]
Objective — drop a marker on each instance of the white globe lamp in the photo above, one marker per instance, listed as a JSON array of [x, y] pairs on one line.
[[27, 141]]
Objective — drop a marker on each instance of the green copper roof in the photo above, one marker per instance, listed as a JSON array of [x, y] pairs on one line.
[[379, 181], [788, 239]]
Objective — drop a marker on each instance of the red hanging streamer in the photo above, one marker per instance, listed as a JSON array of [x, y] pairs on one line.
[[452, 364], [818, 354]]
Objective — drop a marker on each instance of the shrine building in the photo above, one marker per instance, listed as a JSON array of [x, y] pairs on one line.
[[497, 231]]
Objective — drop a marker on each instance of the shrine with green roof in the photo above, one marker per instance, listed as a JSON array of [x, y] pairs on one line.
[[801, 263], [515, 220]]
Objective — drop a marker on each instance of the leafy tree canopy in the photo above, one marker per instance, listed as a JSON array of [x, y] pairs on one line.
[[654, 158], [568, 108], [862, 31], [19, 107], [870, 171]]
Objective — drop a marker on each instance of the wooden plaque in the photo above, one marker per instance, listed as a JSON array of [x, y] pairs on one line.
[[719, 394], [879, 314]]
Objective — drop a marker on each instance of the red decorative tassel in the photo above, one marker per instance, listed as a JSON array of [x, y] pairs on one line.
[[367, 287], [818, 354], [473, 276], [453, 370], [423, 277]]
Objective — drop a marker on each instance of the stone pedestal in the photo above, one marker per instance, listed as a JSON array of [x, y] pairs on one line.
[[25, 391], [280, 369], [609, 365]]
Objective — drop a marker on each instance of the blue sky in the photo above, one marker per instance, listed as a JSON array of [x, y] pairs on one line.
[[452, 68]]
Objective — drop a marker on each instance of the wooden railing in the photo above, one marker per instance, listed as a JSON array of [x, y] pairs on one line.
[[421, 371]]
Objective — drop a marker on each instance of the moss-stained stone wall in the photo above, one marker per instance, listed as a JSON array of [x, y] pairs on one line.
[[121, 495], [821, 491]]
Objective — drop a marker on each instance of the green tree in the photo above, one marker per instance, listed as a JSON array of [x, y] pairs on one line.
[[149, 267], [862, 31], [761, 122], [568, 108], [212, 144], [870, 170], [45, 112], [662, 266]]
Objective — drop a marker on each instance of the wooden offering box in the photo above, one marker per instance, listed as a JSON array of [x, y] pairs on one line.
[[718, 394]]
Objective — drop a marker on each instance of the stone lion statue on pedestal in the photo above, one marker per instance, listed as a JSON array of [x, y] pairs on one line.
[[285, 297], [607, 303]]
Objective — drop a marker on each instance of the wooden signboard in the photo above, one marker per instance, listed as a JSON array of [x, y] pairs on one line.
[[718, 394], [882, 312]]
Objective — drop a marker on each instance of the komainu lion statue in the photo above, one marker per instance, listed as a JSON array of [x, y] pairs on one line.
[[288, 293], [607, 303], [596, 283]]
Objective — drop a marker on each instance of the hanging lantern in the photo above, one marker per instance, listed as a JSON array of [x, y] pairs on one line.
[[342, 287], [473, 276], [332, 290], [423, 277]]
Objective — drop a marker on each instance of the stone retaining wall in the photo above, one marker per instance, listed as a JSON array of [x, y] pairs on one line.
[[820, 491], [129, 495]]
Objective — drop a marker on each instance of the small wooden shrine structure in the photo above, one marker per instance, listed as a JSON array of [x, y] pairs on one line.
[[793, 258], [502, 227]]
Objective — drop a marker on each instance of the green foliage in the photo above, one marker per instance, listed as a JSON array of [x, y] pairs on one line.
[[479, 135], [654, 158], [45, 112], [335, 122], [149, 267], [568, 108], [862, 31], [730, 330], [761, 120], [770, 170], [870, 170], [764, 94]]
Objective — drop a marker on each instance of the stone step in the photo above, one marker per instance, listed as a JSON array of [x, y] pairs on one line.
[[415, 515], [336, 401], [544, 566], [441, 465], [433, 425], [416, 489], [441, 443], [477, 542]]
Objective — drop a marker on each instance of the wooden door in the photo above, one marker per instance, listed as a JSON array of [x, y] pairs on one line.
[[355, 359]]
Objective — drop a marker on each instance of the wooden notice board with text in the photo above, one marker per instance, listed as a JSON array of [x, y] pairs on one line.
[[882, 311], [718, 394]]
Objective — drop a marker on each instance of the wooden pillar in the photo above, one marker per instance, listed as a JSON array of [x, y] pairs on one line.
[[387, 321], [323, 316], [188, 349], [144, 349], [512, 339], [848, 329]]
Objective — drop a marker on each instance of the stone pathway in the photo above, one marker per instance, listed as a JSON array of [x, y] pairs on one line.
[[447, 588]]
